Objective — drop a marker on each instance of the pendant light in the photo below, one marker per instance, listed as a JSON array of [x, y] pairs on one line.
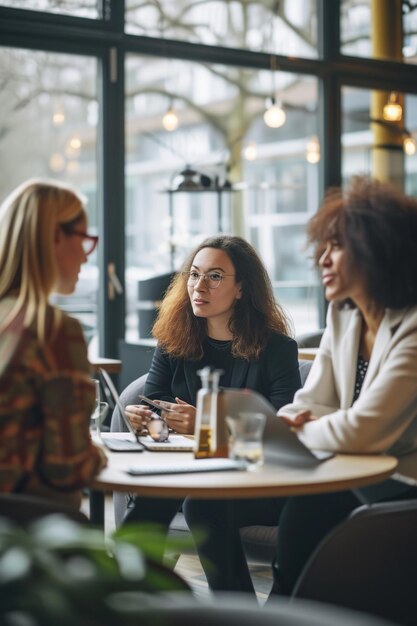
[[313, 150], [393, 111], [409, 145], [274, 116], [170, 119]]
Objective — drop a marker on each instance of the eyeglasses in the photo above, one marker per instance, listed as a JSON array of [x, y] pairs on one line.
[[212, 280], [89, 242]]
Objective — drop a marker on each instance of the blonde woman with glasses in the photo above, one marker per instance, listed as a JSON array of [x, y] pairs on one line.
[[46, 395]]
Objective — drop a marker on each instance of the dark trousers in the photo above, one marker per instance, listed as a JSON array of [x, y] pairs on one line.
[[159, 511], [221, 520], [215, 525], [303, 522]]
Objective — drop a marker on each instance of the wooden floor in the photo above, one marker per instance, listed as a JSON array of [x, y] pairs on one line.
[[188, 565]]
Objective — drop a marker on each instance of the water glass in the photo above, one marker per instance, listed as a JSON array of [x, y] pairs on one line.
[[245, 442], [95, 414], [98, 417]]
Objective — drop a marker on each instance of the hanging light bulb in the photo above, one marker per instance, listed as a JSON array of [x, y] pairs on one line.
[[57, 162], [73, 147], [409, 145], [393, 111], [250, 151], [58, 116], [274, 116], [170, 119], [75, 142], [313, 150], [73, 166]]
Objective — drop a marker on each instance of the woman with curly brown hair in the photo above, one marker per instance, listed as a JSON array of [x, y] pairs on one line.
[[219, 311]]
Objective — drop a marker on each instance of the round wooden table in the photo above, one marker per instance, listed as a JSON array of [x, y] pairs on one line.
[[112, 366], [336, 474]]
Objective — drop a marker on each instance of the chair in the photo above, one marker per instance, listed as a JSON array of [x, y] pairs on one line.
[[258, 541], [23, 509], [310, 340], [368, 563], [238, 610]]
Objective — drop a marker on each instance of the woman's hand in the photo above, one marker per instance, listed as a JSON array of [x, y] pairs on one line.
[[299, 420], [181, 416], [138, 415]]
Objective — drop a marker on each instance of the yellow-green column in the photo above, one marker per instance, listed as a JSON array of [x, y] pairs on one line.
[[387, 42]]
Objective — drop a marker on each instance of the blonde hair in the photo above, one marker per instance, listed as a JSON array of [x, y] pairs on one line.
[[28, 220]]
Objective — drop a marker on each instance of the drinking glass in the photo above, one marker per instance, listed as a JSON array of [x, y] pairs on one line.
[[245, 443], [96, 412]]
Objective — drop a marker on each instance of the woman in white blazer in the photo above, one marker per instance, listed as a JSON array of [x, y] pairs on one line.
[[361, 393], [383, 417]]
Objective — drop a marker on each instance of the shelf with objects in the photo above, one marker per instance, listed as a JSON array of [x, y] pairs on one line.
[[152, 290], [190, 181]]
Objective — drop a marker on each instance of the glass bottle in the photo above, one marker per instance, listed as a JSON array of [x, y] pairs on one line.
[[210, 429]]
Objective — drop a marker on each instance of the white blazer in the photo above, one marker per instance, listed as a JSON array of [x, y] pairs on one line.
[[384, 417]]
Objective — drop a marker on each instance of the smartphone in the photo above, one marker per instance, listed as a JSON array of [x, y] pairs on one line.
[[155, 405]]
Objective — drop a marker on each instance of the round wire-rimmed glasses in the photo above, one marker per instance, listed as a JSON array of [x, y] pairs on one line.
[[212, 280]]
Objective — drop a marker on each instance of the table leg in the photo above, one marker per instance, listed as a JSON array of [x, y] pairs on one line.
[[231, 563], [97, 508]]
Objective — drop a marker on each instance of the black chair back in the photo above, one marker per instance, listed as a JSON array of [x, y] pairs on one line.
[[368, 563], [24, 509]]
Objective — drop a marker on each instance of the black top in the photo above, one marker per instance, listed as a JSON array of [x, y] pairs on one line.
[[218, 354], [275, 375], [361, 368]]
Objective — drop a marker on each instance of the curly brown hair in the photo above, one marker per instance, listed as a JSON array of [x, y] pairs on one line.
[[377, 226], [181, 334]]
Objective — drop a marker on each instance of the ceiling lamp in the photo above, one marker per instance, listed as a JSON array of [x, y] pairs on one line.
[[75, 142], [274, 116], [313, 150], [393, 111], [58, 116], [250, 151], [409, 145], [170, 119], [57, 162]]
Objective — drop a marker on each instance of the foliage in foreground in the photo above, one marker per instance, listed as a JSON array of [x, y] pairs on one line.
[[58, 573]]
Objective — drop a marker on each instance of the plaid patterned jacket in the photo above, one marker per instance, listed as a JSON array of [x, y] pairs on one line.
[[46, 399]]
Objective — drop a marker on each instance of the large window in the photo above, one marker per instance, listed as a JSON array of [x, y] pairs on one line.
[[373, 145], [288, 27], [78, 8], [185, 151], [380, 30], [49, 129], [257, 179]]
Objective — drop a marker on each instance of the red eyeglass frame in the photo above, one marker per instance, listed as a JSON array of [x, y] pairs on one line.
[[93, 239]]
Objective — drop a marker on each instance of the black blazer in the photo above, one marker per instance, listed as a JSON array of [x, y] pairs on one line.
[[275, 375]]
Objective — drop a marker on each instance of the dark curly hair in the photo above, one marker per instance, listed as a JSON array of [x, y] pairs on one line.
[[377, 226], [181, 334]]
